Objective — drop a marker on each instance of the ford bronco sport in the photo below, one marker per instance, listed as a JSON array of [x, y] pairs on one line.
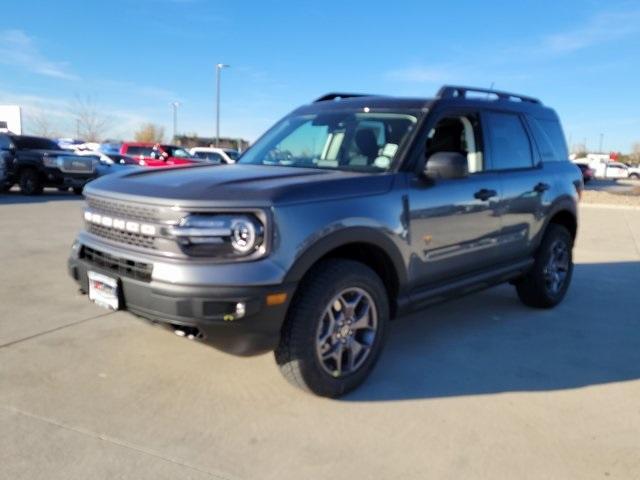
[[350, 211]]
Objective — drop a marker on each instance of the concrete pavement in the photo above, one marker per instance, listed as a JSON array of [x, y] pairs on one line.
[[480, 387]]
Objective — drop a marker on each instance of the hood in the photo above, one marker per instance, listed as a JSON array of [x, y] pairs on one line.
[[237, 185]]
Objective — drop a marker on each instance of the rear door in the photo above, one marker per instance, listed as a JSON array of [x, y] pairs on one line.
[[512, 156]]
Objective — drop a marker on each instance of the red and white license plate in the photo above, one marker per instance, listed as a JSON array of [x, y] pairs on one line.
[[103, 290]]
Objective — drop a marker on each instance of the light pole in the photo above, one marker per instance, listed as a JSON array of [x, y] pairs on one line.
[[175, 106], [219, 67], [601, 141]]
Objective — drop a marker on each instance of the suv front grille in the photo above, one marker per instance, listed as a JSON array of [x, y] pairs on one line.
[[123, 209], [121, 236], [75, 164], [121, 266]]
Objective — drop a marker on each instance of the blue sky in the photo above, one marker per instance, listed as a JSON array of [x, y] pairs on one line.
[[132, 58]]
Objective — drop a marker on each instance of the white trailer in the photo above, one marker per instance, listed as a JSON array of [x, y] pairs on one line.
[[11, 119]]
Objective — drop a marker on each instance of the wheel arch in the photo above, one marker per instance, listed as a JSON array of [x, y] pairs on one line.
[[362, 244], [564, 213]]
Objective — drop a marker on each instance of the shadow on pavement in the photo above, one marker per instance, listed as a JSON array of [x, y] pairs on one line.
[[490, 343], [15, 197]]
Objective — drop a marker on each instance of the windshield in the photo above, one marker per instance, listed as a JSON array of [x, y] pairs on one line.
[[337, 140], [34, 143]]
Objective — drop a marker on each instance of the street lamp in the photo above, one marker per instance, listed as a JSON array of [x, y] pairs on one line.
[[175, 106], [219, 67]]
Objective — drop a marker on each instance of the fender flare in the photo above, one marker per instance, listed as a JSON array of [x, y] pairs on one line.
[[564, 203], [325, 244]]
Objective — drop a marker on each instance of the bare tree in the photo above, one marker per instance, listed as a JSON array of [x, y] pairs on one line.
[[634, 156], [149, 132], [40, 123], [91, 124]]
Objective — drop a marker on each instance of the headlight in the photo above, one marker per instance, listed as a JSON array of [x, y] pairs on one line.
[[51, 162], [220, 235]]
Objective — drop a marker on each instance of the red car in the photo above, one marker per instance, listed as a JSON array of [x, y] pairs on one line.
[[587, 172], [157, 155]]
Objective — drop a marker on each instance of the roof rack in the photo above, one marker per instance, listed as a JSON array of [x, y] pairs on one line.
[[453, 91], [337, 95]]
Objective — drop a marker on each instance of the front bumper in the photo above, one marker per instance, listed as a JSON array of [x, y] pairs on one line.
[[55, 177], [209, 313]]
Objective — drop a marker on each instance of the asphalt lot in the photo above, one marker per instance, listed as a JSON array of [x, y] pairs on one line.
[[481, 387]]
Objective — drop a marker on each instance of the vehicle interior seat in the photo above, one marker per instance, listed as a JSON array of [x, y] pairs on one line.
[[366, 147]]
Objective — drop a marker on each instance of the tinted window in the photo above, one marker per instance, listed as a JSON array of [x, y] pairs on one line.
[[550, 139], [145, 151], [35, 143], [510, 146]]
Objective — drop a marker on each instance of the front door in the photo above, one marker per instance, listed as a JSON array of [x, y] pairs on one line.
[[454, 222]]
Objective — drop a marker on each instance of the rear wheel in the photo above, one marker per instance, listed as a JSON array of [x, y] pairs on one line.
[[547, 282], [335, 328], [30, 182]]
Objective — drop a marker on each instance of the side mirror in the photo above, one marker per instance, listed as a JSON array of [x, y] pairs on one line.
[[446, 165]]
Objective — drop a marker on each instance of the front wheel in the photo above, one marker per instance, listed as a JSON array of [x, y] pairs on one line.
[[335, 328], [547, 282], [30, 182]]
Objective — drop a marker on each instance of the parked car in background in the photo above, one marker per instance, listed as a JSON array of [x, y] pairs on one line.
[[107, 164], [35, 163], [215, 155], [615, 170], [157, 155], [352, 210], [110, 147], [588, 173]]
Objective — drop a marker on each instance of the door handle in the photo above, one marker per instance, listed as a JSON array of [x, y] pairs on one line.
[[485, 194], [541, 187]]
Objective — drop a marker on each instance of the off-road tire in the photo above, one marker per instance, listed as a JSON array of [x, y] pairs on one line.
[[296, 354]]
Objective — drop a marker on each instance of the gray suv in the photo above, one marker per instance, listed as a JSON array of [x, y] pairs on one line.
[[350, 211]]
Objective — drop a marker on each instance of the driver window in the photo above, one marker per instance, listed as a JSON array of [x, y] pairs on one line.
[[459, 134]]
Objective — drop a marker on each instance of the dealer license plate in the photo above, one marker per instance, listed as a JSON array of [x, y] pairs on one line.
[[103, 290]]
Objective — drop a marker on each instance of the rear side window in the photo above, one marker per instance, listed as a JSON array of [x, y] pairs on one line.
[[510, 145], [550, 139], [135, 150]]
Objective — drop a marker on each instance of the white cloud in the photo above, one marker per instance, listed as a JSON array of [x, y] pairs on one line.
[[599, 29], [20, 50], [422, 74]]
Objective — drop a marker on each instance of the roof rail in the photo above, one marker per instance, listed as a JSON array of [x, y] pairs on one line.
[[454, 91], [336, 96]]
